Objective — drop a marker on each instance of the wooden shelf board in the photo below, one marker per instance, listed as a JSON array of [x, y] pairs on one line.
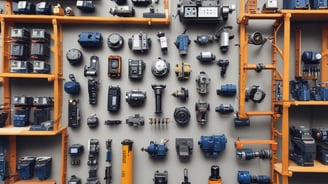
[[304, 103], [260, 16], [11, 130], [28, 75], [293, 167], [84, 19], [36, 182], [307, 15]]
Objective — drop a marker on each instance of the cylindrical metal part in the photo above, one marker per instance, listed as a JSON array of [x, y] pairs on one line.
[[224, 41]]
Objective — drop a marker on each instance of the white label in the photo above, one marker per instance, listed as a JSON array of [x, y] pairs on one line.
[[79, 3], [163, 42], [21, 4], [42, 5], [208, 12], [272, 4]]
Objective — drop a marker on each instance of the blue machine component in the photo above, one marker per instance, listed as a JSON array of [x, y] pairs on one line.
[[299, 90], [44, 126], [72, 87], [244, 177], [22, 117], [227, 90], [316, 4], [212, 145], [4, 170], [43, 167], [311, 57], [182, 42], [156, 150], [296, 4], [90, 39], [3, 118], [25, 167], [25, 7], [303, 146], [43, 8], [240, 122], [248, 154], [322, 152]]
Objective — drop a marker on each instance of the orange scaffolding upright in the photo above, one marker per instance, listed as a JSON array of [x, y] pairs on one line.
[[281, 167]]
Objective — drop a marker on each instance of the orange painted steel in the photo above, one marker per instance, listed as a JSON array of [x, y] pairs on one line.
[[298, 62], [241, 143], [324, 60]]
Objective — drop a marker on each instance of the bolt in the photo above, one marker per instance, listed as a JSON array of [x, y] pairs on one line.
[[158, 90]]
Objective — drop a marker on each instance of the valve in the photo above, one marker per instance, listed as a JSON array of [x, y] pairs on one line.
[[244, 177], [215, 177], [223, 63], [181, 94], [212, 145], [248, 154], [157, 150], [158, 90], [203, 81]]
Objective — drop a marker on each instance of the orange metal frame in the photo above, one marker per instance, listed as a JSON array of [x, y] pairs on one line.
[[281, 168]]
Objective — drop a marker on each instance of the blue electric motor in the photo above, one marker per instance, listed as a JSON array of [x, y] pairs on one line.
[[296, 4], [156, 150], [212, 145], [244, 177]]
